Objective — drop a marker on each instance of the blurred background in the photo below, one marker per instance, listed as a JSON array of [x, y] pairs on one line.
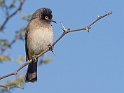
[[84, 63]]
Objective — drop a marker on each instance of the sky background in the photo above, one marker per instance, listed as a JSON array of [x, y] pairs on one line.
[[84, 63]]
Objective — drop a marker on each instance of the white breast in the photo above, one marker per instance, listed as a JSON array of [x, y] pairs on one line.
[[38, 40]]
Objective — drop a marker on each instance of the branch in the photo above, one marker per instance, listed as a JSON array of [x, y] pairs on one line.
[[18, 36], [65, 31], [11, 15], [10, 87]]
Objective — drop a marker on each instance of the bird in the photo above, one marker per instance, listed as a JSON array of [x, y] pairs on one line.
[[38, 37]]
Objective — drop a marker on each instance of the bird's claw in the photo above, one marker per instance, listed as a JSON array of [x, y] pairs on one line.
[[51, 48], [34, 59]]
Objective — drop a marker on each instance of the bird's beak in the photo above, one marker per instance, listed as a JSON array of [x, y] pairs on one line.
[[52, 20]]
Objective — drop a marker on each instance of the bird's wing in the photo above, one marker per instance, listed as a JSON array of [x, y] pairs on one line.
[[26, 49]]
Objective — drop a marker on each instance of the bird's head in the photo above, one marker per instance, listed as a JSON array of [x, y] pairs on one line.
[[44, 14]]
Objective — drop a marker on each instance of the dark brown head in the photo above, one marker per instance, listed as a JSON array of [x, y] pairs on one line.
[[43, 14]]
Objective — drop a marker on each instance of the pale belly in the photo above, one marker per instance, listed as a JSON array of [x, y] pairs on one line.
[[39, 40]]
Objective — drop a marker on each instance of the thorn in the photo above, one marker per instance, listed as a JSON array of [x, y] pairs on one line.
[[62, 26], [53, 52], [17, 77], [88, 32], [105, 12], [87, 29], [19, 86], [99, 16]]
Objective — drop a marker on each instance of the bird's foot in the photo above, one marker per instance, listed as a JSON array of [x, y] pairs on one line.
[[34, 59], [51, 48]]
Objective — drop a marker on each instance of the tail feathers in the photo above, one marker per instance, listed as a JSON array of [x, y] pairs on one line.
[[31, 75]]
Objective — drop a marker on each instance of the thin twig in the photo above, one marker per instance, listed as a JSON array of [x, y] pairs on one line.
[[16, 72], [13, 41], [10, 87], [11, 15]]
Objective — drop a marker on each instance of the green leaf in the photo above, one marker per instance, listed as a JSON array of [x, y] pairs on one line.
[[13, 4], [26, 17], [3, 42], [2, 2], [45, 61], [15, 82], [18, 81], [21, 59], [5, 58]]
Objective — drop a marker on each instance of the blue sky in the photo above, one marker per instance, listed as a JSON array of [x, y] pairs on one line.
[[84, 63]]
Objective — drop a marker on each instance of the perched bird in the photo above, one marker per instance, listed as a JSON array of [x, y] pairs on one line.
[[38, 37]]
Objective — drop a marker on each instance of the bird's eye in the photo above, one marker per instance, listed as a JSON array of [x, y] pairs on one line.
[[46, 17]]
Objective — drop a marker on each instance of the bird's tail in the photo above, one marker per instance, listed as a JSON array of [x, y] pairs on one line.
[[31, 75]]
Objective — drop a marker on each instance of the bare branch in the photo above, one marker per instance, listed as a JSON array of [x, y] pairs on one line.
[[99, 17], [89, 26], [11, 15], [16, 72], [65, 31]]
